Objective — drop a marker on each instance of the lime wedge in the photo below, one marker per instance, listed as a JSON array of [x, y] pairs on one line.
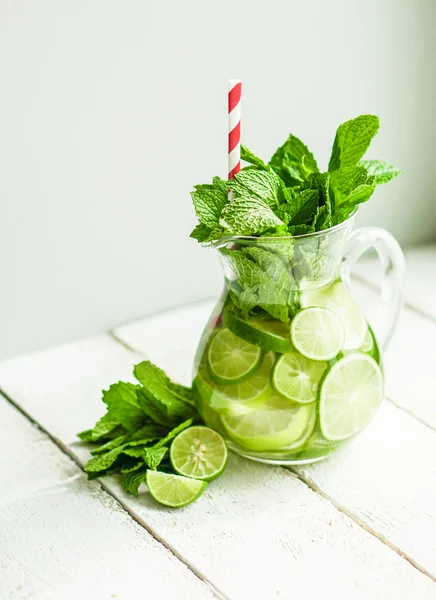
[[173, 490], [297, 378], [199, 452], [349, 396], [274, 424], [269, 334], [337, 298], [317, 333], [232, 359]]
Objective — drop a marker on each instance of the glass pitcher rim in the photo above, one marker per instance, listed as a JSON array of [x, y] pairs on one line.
[[313, 234]]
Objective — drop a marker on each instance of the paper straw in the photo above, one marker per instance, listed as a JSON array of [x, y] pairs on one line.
[[234, 129]]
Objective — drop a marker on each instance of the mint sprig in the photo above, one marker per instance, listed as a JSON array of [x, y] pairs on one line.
[[141, 421], [289, 195]]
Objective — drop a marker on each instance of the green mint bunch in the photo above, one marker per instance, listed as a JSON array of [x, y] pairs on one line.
[[289, 195], [140, 423]]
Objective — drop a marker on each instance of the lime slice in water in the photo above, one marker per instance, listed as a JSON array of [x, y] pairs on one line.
[[173, 490], [232, 359], [199, 452], [274, 424], [256, 387], [349, 396], [368, 342], [269, 334], [317, 333], [337, 298], [297, 377]]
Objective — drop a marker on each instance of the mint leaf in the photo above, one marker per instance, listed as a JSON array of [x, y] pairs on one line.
[[154, 456], [253, 183], [301, 208], [293, 161], [131, 481], [382, 171], [352, 141], [256, 285], [103, 461], [122, 402], [251, 158], [247, 216], [131, 465], [202, 233], [172, 434], [163, 404], [115, 443], [351, 185], [300, 229], [209, 200], [323, 216]]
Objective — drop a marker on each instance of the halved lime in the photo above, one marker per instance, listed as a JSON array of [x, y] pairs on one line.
[[173, 490], [274, 424], [317, 333], [199, 452], [297, 378], [337, 298], [269, 334], [349, 396], [232, 359]]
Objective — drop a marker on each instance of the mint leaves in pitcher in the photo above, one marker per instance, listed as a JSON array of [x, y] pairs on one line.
[[289, 195]]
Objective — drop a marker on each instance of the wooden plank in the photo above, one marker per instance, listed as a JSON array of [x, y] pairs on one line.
[[393, 445], [62, 537], [257, 532]]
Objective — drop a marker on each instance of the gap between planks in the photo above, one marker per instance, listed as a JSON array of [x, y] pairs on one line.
[[67, 451], [317, 490], [350, 514]]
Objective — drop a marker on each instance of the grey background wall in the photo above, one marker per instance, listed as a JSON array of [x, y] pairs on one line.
[[111, 110]]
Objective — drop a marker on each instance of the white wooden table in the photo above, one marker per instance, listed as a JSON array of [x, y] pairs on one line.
[[361, 524]]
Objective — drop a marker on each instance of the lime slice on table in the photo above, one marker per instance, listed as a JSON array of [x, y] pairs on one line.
[[337, 298], [317, 333], [269, 334], [232, 359], [297, 378], [349, 396], [173, 490], [199, 452], [274, 424]]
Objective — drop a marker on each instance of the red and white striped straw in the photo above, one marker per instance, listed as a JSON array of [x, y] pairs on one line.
[[234, 112]]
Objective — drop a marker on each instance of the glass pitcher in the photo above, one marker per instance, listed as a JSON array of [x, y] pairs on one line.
[[288, 369]]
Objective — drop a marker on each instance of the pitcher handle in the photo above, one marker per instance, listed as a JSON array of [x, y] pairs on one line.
[[392, 262]]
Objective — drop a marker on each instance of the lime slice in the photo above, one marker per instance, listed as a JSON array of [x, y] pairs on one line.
[[349, 396], [232, 359], [173, 490], [269, 334], [209, 415], [199, 452], [337, 298], [368, 343], [297, 444], [297, 377], [257, 387], [317, 333], [275, 423]]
